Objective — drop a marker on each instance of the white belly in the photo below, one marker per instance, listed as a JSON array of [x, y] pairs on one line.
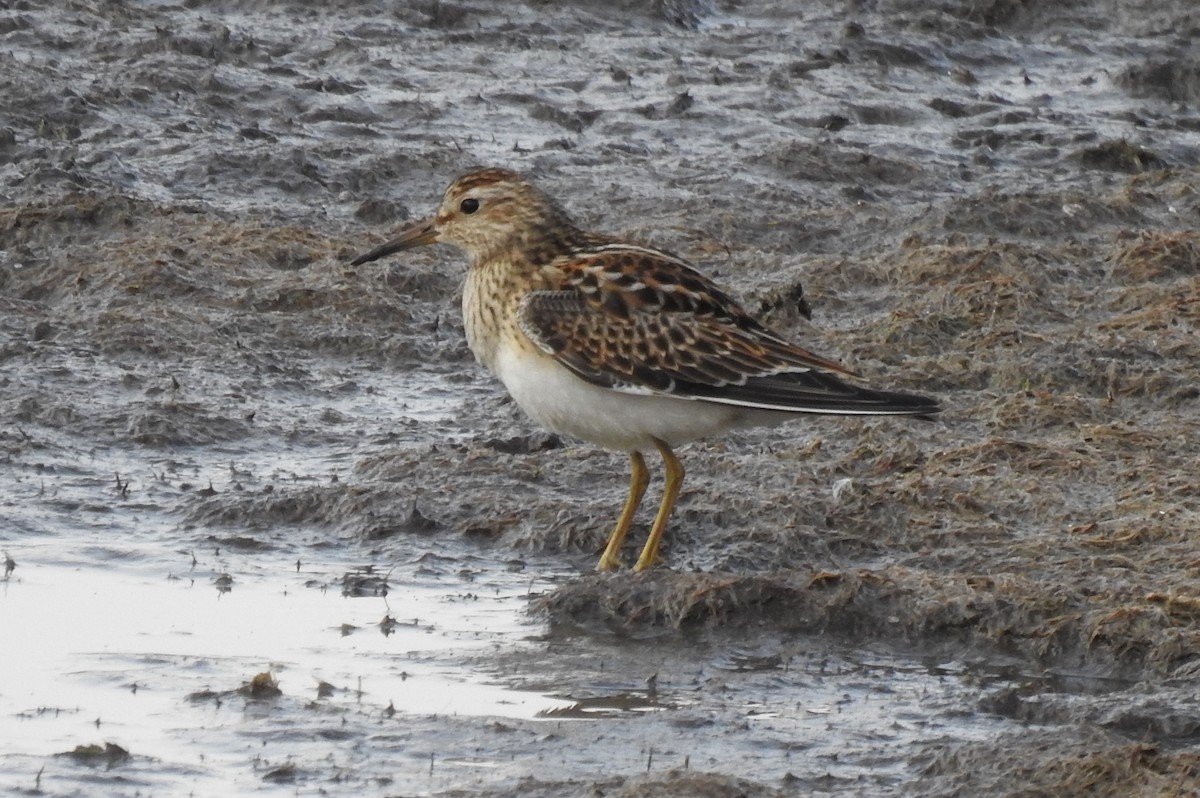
[[561, 402]]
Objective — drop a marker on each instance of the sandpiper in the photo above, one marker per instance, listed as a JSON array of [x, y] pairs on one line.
[[625, 346]]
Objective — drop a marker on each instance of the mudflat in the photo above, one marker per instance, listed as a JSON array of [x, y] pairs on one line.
[[228, 454]]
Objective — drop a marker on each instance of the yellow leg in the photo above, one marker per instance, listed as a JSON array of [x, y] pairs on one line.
[[610, 560], [670, 494]]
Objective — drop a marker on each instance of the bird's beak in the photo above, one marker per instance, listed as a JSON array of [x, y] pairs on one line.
[[421, 233]]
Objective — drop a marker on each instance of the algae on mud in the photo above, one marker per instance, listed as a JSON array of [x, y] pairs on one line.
[[993, 202]]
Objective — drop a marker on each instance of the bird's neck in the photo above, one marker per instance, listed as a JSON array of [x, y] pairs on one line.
[[531, 248]]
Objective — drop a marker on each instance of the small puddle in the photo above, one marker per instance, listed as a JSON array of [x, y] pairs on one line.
[[152, 661]]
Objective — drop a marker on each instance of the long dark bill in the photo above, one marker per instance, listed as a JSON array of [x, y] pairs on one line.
[[423, 232]]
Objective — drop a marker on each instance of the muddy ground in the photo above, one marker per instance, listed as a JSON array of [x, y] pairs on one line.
[[992, 202]]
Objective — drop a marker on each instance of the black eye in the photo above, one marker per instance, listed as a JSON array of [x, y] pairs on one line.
[[469, 205]]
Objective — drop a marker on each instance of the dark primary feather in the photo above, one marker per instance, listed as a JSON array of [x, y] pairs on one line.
[[814, 392], [640, 320]]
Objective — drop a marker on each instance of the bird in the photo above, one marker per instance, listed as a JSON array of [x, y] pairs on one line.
[[624, 346]]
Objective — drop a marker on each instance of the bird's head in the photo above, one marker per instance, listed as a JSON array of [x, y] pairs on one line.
[[483, 213]]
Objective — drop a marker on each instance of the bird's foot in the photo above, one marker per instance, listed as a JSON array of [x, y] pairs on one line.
[[608, 562]]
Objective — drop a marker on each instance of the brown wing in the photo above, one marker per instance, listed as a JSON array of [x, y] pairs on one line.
[[642, 321]]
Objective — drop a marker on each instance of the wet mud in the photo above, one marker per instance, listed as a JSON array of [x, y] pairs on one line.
[[994, 203]]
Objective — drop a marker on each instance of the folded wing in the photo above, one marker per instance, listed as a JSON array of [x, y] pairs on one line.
[[642, 321]]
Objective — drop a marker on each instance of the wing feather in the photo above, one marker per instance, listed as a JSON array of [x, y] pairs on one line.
[[642, 321]]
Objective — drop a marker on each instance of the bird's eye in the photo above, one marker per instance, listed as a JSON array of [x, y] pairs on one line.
[[469, 205]]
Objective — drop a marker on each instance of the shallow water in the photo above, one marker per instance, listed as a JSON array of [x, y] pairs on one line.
[[149, 654], [151, 661]]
